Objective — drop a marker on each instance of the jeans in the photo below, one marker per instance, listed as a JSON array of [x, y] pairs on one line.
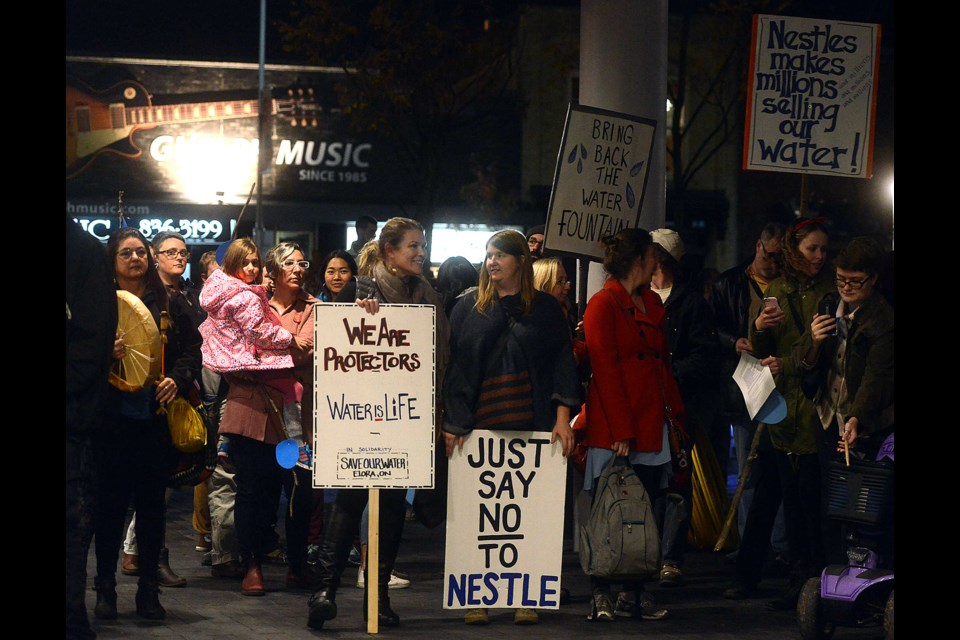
[[222, 496]]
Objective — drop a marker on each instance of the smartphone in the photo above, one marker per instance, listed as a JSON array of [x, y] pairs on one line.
[[771, 302], [828, 307]]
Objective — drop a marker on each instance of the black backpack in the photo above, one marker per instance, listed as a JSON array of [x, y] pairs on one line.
[[620, 538]]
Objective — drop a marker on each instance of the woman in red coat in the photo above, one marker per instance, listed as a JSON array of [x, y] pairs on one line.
[[631, 387]]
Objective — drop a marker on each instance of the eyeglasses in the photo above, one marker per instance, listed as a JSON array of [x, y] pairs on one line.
[[769, 254], [173, 253], [854, 284], [290, 264], [561, 282], [126, 254]]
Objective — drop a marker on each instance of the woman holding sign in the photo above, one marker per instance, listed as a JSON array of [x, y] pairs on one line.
[[397, 279], [631, 392], [511, 363]]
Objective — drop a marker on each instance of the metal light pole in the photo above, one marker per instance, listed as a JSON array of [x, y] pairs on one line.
[[258, 230]]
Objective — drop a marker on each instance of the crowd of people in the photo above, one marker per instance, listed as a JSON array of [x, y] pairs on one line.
[[654, 349]]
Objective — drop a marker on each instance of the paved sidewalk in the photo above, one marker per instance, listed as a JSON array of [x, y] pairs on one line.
[[212, 609]]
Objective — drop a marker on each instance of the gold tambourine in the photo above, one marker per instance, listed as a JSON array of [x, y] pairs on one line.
[[140, 365]]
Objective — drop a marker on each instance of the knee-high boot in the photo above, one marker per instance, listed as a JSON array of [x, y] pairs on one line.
[[393, 514], [335, 543], [386, 616]]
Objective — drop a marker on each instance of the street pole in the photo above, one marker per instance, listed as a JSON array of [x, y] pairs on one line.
[[258, 230]]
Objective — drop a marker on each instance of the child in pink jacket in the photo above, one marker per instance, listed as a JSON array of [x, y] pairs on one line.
[[242, 333]]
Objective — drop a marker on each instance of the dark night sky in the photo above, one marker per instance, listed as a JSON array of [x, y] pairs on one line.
[[223, 30], [228, 30]]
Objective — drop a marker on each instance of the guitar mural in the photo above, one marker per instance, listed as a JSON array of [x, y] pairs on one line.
[[102, 122]]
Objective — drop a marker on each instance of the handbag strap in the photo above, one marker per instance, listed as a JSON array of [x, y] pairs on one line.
[[795, 314]]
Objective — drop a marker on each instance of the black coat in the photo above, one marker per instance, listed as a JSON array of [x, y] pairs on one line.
[[91, 328], [691, 334]]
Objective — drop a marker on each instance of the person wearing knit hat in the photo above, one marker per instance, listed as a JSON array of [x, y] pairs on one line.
[[535, 238]]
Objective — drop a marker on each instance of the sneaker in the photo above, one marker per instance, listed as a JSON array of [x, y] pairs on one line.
[[601, 609], [649, 609], [354, 557], [626, 606], [476, 616], [397, 580], [525, 616], [670, 575], [277, 556], [204, 543]]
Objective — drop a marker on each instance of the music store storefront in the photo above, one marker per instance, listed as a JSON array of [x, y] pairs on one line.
[[180, 141]]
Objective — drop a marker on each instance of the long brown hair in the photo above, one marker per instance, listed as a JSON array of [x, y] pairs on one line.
[[237, 252], [794, 264], [515, 244]]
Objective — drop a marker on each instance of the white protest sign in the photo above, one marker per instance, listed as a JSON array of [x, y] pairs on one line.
[[505, 498], [812, 96], [374, 396], [600, 180]]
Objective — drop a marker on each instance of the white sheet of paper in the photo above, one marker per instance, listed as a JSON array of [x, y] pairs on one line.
[[755, 382]]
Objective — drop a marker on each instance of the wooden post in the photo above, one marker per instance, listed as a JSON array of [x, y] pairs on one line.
[[744, 475], [373, 562], [804, 195]]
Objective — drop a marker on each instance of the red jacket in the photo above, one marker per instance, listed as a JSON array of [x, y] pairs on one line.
[[631, 374]]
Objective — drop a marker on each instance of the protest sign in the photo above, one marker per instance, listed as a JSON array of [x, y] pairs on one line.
[[505, 502], [600, 180], [812, 96], [374, 396]]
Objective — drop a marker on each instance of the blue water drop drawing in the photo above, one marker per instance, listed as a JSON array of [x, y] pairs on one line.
[[635, 169], [579, 166], [631, 198], [583, 152], [573, 154]]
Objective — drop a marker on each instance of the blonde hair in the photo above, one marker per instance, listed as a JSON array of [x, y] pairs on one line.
[[515, 244], [393, 232], [367, 257], [545, 274], [236, 253]]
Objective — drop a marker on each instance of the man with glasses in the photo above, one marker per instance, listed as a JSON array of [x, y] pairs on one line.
[[737, 299]]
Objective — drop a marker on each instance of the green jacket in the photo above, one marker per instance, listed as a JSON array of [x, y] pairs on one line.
[[795, 433], [867, 366]]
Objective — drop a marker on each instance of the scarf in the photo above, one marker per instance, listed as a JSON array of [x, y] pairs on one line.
[[416, 290]]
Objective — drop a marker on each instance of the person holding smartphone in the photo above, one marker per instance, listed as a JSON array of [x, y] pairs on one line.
[[848, 357], [776, 335]]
